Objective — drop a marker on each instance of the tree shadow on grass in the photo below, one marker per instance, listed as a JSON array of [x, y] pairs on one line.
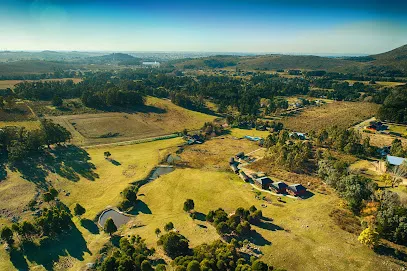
[[3, 171], [114, 162], [140, 207], [392, 252], [70, 244], [257, 239], [200, 216], [266, 225], [69, 162], [90, 226], [18, 260]]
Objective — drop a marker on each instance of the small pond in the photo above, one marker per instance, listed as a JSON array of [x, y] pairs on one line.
[[118, 218], [161, 170]]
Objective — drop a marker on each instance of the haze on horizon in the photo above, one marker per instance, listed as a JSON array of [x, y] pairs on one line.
[[293, 26]]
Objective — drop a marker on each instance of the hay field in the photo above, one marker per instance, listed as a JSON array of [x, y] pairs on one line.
[[163, 118], [342, 114]]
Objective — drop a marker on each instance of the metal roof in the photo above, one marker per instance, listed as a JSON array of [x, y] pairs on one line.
[[394, 160]]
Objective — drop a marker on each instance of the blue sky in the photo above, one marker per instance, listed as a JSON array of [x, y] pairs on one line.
[[291, 26]]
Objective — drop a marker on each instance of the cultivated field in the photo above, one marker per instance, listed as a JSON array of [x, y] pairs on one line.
[[342, 114], [159, 117]]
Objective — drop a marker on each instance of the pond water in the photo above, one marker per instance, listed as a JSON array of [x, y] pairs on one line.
[[161, 170], [118, 218]]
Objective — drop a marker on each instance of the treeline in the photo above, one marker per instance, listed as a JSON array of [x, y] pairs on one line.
[[17, 143], [394, 108], [383, 213]]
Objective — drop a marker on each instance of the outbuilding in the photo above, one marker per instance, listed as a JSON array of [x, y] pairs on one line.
[[279, 187], [240, 155], [244, 176], [395, 161], [296, 190], [263, 182]]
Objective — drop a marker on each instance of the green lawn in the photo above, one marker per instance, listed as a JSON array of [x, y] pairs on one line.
[[237, 132]]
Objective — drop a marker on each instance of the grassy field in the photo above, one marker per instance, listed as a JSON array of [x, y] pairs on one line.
[[214, 154], [29, 125], [381, 83], [11, 83], [300, 235], [159, 117], [342, 114], [131, 163], [239, 133], [19, 112]]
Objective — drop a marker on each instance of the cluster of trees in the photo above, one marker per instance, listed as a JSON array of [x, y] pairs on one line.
[[132, 254], [16, 143], [174, 244], [276, 104], [397, 148], [355, 189], [112, 97], [187, 101], [49, 224], [394, 107], [344, 140], [391, 218], [129, 198], [237, 224], [287, 151], [219, 256], [212, 129]]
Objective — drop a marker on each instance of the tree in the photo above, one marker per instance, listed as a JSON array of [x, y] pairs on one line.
[[146, 266], [78, 210], [189, 205], [107, 154], [193, 266], [57, 100], [47, 196], [109, 226], [387, 179], [259, 266], [369, 237], [175, 244], [157, 232], [6, 234], [169, 226]]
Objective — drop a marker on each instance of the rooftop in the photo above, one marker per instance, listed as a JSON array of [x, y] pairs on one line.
[[395, 161]]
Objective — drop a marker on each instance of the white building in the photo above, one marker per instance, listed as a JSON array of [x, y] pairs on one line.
[[154, 64]]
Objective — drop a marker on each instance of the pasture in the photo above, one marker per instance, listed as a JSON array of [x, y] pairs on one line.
[[297, 235], [159, 117], [85, 178], [342, 114]]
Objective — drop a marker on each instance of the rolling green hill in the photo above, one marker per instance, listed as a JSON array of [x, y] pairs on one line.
[[396, 58]]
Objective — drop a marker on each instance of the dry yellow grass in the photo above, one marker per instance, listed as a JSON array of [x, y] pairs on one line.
[[342, 114], [29, 125], [214, 154], [90, 129]]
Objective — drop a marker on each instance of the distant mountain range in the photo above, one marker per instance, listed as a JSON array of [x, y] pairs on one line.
[[392, 60]]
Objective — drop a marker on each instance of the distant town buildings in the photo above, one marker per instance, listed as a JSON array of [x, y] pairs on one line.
[[154, 64]]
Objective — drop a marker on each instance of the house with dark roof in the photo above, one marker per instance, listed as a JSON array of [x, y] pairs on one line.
[[263, 182], [240, 155], [244, 176], [279, 187], [296, 190], [231, 160]]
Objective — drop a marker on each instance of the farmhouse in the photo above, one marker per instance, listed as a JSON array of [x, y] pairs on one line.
[[263, 182], [296, 189], [231, 160], [244, 176], [377, 126], [240, 155], [279, 187], [395, 161]]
